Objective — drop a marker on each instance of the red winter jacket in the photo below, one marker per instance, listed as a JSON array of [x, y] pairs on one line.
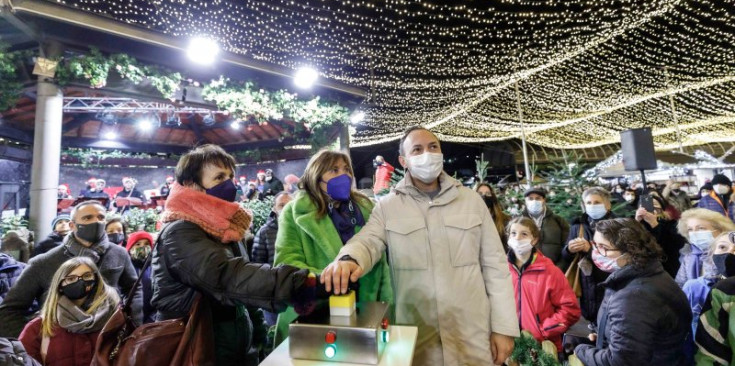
[[64, 348], [545, 302], [382, 177]]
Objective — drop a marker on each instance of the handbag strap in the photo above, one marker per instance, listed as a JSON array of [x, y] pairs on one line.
[[148, 260]]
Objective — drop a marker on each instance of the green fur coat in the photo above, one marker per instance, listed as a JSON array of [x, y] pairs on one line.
[[306, 241]]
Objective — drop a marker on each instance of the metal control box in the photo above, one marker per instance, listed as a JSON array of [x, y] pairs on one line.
[[359, 338]]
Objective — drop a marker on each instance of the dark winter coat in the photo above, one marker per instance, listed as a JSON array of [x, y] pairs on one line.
[[187, 260], [52, 241], [115, 267], [644, 320], [554, 234], [149, 312], [64, 348], [591, 294], [264, 247], [10, 271], [273, 187], [667, 236]]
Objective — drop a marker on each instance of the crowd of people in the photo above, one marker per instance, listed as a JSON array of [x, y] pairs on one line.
[[652, 286]]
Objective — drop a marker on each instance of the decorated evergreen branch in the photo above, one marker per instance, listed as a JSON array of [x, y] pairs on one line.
[[138, 220], [395, 177], [15, 222], [95, 68], [528, 352], [244, 100], [261, 210], [10, 85]]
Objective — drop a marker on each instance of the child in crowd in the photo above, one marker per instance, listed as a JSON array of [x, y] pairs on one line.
[[139, 246], [545, 302]]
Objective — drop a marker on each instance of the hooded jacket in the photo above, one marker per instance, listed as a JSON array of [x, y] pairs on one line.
[[545, 302], [449, 270]]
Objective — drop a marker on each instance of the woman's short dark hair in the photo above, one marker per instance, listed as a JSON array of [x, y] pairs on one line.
[[189, 168], [630, 237]]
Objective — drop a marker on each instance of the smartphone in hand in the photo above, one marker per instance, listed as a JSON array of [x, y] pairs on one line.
[[646, 201]]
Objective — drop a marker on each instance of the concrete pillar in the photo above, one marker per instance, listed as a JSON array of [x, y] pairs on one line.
[[344, 138], [46, 153]]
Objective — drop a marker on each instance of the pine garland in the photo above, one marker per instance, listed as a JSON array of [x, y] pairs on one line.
[[528, 352]]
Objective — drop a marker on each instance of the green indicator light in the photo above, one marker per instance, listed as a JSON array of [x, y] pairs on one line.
[[330, 351], [386, 336]]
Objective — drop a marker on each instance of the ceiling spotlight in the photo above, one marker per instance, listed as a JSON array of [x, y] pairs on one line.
[[106, 117], [305, 77], [209, 119], [110, 135], [173, 120], [145, 125], [149, 122], [202, 51], [235, 125], [357, 117]]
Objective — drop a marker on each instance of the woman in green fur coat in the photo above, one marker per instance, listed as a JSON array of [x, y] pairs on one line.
[[312, 228]]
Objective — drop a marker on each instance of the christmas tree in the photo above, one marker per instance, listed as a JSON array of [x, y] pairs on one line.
[[566, 182]]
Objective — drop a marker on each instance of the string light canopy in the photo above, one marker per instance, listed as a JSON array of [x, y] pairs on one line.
[[586, 69]]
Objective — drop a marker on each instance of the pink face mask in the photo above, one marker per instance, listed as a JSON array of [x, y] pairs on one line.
[[605, 264]]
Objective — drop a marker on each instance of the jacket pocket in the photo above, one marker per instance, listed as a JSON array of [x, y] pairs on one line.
[[464, 234], [407, 241]]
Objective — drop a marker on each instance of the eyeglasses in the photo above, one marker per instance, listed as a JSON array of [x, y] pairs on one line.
[[602, 250], [68, 280]]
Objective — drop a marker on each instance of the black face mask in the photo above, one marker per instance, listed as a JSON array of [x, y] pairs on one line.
[[92, 232], [725, 264], [79, 289], [116, 238], [376, 163], [489, 201]]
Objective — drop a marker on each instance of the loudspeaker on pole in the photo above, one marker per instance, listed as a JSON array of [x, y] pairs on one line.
[[638, 151]]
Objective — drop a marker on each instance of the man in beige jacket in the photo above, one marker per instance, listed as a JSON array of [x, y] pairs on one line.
[[449, 271]]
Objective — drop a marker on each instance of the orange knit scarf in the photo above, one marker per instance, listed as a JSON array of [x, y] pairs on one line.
[[224, 220]]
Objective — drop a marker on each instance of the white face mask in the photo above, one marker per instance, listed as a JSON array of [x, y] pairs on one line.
[[701, 239], [522, 248], [426, 167], [721, 188], [534, 207], [597, 211], [629, 198]]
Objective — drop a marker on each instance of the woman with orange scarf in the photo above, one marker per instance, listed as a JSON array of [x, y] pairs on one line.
[[200, 251]]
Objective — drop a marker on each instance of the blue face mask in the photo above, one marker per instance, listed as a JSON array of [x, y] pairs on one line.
[[226, 190], [597, 211], [339, 188], [701, 239]]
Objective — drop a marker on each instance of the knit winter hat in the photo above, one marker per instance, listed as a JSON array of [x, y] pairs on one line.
[[138, 235], [721, 179], [59, 218]]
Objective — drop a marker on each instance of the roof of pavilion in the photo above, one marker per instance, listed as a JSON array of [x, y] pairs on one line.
[[584, 70]]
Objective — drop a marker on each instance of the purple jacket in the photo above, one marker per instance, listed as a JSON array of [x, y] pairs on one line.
[[712, 203]]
